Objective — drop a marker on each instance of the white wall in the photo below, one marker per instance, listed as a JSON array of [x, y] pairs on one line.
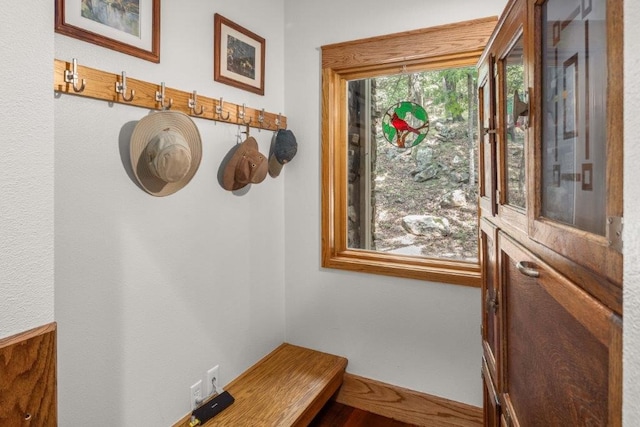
[[26, 167], [423, 336], [631, 297], [136, 328], [151, 292]]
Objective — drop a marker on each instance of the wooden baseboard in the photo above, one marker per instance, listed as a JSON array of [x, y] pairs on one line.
[[28, 378], [406, 405]]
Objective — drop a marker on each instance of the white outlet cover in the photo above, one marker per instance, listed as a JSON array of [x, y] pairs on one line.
[[195, 394], [211, 374]]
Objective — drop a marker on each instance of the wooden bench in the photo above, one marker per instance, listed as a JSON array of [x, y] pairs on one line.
[[287, 387]]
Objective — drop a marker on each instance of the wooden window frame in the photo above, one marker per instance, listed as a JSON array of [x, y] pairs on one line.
[[447, 46]]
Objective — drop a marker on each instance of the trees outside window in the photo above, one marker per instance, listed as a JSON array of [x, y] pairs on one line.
[[419, 200]]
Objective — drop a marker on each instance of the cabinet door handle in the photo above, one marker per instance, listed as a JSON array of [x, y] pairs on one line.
[[523, 268]]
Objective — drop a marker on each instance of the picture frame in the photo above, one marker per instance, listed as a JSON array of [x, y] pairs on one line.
[[238, 56], [132, 27]]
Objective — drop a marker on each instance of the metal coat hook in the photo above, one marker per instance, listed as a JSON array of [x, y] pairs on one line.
[[161, 98], [219, 110], [121, 88], [242, 114], [261, 119], [71, 76], [278, 121], [246, 132], [193, 105]]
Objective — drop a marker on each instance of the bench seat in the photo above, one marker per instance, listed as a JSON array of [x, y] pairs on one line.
[[287, 387]]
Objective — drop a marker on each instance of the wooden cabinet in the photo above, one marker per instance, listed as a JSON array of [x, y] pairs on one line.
[[490, 399], [490, 297], [562, 363], [550, 178]]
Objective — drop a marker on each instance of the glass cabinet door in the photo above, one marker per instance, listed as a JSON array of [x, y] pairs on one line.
[[574, 113], [580, 155], [515, 124], [487, 146]]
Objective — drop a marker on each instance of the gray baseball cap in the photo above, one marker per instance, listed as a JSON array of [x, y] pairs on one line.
[[283, 148]]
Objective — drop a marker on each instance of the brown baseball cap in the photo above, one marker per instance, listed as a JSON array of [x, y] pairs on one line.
[[246, 166]]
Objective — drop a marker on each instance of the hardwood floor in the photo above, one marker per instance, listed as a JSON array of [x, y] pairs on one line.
[[335, 414]]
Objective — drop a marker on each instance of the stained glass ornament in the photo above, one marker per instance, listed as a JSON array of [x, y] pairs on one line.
[[405, 124]]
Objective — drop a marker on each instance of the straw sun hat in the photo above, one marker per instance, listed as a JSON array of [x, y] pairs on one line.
[[166, 150]]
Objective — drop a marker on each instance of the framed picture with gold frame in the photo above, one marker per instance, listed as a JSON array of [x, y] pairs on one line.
[[238, 56], [128, 26]]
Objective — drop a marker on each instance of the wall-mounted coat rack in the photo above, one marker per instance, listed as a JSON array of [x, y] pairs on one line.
[[74, 79]]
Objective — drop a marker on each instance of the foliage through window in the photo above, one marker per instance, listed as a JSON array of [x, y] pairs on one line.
[[416, 199], [399, 194]]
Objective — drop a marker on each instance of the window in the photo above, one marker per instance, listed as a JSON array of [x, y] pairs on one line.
[[410, 188], [355, 75]]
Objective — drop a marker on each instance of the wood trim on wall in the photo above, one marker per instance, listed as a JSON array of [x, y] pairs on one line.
[[409, 47], [100, 85], [406, 405], [28, 378]]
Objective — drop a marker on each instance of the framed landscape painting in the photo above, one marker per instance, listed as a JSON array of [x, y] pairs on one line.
[[128, 26], [238, 56]]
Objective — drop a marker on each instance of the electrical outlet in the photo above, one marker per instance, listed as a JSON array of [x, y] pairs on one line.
[[196, 394], [213, 374]]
